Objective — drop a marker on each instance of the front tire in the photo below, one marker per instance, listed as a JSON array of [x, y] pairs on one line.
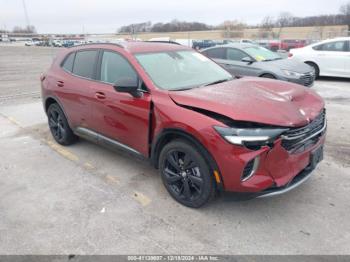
[[59, 126], [186, 174]]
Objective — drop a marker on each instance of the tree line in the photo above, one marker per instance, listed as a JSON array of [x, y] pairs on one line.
[[285, 19], [173, 26], [30, 29]]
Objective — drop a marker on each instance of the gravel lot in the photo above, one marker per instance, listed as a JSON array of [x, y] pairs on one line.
[[87, 199]]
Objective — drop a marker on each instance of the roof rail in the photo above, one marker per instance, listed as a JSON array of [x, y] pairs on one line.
[[162, 42], [101, 43]]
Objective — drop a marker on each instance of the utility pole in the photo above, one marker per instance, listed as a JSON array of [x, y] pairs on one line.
[[26, 13]]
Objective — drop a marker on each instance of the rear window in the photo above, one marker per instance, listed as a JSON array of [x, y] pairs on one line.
[[68, 62], [84, 63]]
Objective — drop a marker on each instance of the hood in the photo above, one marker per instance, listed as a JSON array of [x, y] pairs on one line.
[[255, 100], [288, 64]]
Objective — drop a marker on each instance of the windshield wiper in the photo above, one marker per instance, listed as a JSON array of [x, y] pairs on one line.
[[268, 60], [218, 82], [212, 83], [181, 89]]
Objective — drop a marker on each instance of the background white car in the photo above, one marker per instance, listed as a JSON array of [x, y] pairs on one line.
[[29, 43], [328, 58]]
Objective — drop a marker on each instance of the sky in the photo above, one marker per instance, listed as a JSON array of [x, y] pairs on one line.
[[105, 16]]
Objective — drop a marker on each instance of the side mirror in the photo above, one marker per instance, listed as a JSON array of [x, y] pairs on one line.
[[128, 85], [248, 60]]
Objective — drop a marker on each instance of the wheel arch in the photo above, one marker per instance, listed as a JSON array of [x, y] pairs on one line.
[[54, 100], [170, 134], [310, 61], [49, 101], [268, 73], [313, 62]]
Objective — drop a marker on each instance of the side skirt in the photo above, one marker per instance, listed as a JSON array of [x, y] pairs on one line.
[[105, 141]]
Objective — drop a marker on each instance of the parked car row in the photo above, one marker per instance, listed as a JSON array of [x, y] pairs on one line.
[[244, 57], [284, 44], [273, 45], [201, 44], [54, 43], [327, 58], [204, 129]]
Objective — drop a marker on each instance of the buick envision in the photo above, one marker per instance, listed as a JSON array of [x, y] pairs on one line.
[[203, 129]]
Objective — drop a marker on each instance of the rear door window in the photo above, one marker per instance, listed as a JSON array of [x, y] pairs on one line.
[[68, 62], [84, 63]]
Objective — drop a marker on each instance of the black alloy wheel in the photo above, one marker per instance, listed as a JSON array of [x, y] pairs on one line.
[[59, 127], [185, 174], [56, 125]]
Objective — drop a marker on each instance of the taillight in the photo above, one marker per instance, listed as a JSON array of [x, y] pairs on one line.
[[290, 54]]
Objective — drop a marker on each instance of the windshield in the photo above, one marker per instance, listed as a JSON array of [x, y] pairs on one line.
[[261, 53], [176, 70]]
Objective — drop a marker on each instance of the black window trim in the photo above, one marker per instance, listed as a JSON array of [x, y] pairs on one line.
[[75, 54], [97, 67], [64, 60], [95, 63]]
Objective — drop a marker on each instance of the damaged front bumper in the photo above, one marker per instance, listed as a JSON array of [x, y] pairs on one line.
[[294, 183], [278, 171]]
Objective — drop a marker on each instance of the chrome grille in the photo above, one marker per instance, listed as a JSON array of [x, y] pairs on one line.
[[299, 139]]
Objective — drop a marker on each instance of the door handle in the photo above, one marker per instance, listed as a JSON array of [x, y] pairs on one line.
[[60, 83], [100, 95]]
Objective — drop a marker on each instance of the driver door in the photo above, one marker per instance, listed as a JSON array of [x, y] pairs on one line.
[[120, 116]]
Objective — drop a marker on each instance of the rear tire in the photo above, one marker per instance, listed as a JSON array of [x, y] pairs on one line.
[[315, 67], [186, 174], [59, 126]]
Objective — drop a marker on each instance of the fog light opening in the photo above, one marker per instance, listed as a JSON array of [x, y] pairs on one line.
[[250, 168]]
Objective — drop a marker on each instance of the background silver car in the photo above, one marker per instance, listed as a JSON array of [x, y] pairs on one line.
[[252, 60]]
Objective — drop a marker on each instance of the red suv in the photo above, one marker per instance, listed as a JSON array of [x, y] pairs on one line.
[[203, 129]]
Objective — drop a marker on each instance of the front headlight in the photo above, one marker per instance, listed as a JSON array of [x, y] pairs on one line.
[[250, 137], [291, 73]]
